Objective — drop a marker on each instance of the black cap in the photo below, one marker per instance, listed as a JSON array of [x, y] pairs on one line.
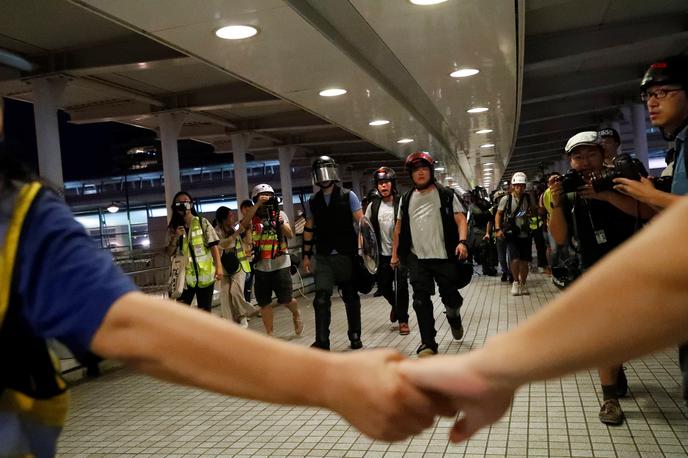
[[672, 70], [609, 132]]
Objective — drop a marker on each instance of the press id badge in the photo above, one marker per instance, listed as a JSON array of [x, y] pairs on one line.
[[601, 237], [198, 250]]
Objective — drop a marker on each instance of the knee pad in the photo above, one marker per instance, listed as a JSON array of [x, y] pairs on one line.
[[322, 300], [452, 312]]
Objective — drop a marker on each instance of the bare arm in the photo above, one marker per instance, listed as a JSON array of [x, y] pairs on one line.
[[287, 231], [219, 271], [395, 244], [629, 205], [172, 243], [557, 224], [180, 344], [462, 224]]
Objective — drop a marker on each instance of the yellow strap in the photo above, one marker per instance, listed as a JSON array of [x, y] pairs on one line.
[[8, 252]]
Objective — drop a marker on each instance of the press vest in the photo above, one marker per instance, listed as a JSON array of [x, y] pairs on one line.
[[33, 395], [200, 270], [334, 229], [268, 243], [374, 211], [449, 227], [244, 263]]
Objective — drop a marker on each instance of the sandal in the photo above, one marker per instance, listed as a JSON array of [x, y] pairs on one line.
[[298, 326]]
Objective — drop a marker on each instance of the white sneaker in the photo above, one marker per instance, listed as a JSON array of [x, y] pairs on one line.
[[524, 289], [243, 322], [515, 289]]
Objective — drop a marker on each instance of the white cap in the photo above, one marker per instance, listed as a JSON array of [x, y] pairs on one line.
[[261, 188], [519, 178], [587, 138]]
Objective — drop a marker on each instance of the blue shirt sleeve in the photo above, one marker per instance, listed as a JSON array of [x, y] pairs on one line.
[[66, 282], [354, 202]]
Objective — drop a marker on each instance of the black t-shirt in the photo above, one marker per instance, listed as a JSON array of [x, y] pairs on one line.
[[601, 227]]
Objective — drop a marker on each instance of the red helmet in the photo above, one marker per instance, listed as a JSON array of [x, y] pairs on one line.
[[419, 158]]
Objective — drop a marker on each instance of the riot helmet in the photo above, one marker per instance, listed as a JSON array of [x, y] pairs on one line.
[[420, 159], [324, 169]]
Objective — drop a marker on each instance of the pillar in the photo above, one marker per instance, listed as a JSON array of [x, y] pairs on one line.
[[170, 125], [286, 154], [240, 145], [46, 96], [640, 134]]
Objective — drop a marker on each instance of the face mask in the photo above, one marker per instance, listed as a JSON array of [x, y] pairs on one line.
[[182, 206]]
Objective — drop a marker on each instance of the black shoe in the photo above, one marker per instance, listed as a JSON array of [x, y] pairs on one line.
[[393, 315], [621, 383], [355, 339], [426, 350], [321, 345], [92, 370], [510, 279], [505, 277], [377, 293]]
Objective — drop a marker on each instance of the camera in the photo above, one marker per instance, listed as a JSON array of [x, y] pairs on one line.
[[625, 166], [663, 183], [571, 181]]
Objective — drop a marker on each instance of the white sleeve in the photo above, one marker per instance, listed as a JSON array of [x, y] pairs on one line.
[[458, 206]]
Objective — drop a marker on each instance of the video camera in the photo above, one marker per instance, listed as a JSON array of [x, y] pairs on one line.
[[625, 166]]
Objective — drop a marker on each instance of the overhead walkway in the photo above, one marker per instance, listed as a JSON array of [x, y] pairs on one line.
[[123, 413]]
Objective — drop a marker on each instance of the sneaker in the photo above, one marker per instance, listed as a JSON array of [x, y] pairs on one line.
[[621, 383], [524, 289], [505, 277], [424, 351], [243, 322], [515, 289], [541, 270], [404, 329], [611, 413]]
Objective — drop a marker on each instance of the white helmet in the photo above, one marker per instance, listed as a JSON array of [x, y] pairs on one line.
[[519, 178], [262, 188]]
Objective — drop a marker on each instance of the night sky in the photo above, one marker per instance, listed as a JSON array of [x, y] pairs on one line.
[[92, 150]]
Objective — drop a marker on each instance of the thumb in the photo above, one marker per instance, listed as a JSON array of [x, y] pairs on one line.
[[462, 430]]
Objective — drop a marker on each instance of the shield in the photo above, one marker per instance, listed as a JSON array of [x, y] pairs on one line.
[[367, 245]]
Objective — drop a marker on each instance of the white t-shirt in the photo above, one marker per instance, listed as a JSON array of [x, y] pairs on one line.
[[427, 235], [385, 217], [280, 262]]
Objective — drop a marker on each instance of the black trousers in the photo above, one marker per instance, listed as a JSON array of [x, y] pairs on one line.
[[540, 247], [423, 274], [683, 364], [204, 296], [385, 279]]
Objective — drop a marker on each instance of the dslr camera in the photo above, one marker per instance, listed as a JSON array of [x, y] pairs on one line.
[[625, 166]]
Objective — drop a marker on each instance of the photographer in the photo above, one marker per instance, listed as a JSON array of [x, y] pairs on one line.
[[480, 245], [512, 223], [272, 267], [596, 223]]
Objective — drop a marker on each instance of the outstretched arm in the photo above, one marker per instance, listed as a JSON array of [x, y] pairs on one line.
[[597, 322]]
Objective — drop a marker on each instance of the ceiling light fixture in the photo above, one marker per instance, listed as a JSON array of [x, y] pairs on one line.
[[405, 140], [477, 110], [487, 145], [483, 131], [464, 72], [427, 2], [113, 208], [333, 92], [378, 122], [439, 169], [236, 32]]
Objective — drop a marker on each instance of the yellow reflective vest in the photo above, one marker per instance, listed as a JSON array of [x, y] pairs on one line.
[[200, 268]]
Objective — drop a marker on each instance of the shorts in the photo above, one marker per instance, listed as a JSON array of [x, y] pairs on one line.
[[520, 248], [278, 281]]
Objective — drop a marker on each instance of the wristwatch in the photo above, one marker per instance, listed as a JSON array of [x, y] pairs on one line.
[[464, 243]]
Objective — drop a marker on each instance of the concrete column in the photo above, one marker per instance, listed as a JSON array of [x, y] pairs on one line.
[[286, 154], [170, 125], [46, 96], [356, 176], [640, 134], [240, 145]]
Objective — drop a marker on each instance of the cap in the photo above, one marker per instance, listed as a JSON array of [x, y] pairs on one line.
[[587, 138], [609, 132]]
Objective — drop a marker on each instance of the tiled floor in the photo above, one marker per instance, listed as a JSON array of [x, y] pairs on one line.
[[123, 413]]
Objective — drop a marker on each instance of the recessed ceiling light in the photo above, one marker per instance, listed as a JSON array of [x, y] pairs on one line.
[[378, 122], [483, 131], [333, 92], [439, 169], [427, 2], [487, 145], [464, 72], [477, 110], [489, 163], [236, 32], [405, 140]]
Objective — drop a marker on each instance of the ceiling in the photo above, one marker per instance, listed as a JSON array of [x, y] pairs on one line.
[[583, 63], [129, 61]]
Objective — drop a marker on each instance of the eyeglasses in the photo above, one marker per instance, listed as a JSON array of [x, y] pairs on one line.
[[657, 94]]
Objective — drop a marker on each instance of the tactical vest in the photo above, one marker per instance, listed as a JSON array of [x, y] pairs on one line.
[[200, 270], [374, 211], [33, 395], [449, 227], [334, 229]]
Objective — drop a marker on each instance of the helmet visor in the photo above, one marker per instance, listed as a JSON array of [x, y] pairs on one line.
[[326, 172]]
